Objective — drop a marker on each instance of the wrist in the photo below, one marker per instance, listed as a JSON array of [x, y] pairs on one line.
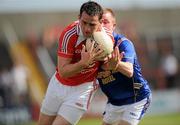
[[82, 64]]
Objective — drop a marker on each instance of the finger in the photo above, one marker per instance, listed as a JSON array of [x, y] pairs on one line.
[[109, 56], [113, 55], [122, 55], [117, 55], [88, 44], [105, 59], [102, 58], [92, 46], [117, 50], [99, 53], [83, 48]]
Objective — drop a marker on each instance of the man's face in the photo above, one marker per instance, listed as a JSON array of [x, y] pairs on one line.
[[89, 24], [108, 21]]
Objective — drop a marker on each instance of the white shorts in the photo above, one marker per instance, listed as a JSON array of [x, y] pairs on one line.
[[70, 102], [131, 113]]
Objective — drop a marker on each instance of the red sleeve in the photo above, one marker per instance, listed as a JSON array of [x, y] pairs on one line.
[[67, 42]]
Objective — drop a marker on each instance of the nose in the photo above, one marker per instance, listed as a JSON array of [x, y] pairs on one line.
[[87, 28], [87, 31], [103, 25]]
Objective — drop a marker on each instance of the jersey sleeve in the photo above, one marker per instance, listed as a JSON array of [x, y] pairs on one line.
[[66, 46], [129, 52]]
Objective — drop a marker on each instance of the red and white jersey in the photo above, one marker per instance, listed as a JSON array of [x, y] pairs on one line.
[[70, 46]]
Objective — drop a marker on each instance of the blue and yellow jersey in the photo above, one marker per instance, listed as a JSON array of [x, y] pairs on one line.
[[120, 89]]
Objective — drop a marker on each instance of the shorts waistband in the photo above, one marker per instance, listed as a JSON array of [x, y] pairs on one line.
[[127, 101]]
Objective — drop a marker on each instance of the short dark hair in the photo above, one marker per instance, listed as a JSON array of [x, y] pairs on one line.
[[92, 8]]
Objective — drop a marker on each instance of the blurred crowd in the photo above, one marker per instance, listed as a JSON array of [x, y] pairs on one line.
[[157, 56]]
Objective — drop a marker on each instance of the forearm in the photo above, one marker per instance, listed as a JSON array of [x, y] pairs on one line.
[[69, 70], [125, 68]]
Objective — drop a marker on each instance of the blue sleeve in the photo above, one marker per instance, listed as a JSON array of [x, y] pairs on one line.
[[129, 52], [117, 36]]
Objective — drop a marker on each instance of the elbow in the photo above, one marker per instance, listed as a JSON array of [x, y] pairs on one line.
[[130, 74], [130, 71]]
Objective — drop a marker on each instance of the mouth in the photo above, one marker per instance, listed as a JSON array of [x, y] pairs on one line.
[[87, 34]]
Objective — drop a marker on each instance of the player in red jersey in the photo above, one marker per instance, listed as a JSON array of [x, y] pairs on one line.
[[71, 88]]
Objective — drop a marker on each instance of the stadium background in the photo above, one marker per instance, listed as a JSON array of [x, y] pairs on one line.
[[29, 33]]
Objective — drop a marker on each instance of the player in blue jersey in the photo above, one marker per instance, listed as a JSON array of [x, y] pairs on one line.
[[121, 80]]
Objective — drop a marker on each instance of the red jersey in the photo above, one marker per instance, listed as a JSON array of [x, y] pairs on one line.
[[70, 46]]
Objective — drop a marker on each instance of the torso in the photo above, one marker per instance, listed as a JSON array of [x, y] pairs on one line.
[[70, 46]]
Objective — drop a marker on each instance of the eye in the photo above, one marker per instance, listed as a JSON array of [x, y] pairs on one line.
[[92, 24], [105, 22], [84, 23]]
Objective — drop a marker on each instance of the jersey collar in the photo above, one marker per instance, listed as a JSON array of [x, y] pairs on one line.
[[80, 34]]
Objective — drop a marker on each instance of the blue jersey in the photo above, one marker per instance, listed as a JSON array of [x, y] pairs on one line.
[[120, 89]]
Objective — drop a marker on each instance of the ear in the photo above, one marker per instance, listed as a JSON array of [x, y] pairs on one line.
[[101, 20], [114, 26], [79, 17]]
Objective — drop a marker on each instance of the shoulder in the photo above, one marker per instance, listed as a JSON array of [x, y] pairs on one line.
[[70, 31], [117, 36], [122, 40], [73, 27], [126, 41]]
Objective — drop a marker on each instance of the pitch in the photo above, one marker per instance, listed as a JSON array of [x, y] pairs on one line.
[[169, 119]]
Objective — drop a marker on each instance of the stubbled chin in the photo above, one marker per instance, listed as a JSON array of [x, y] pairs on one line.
[[87, 36]]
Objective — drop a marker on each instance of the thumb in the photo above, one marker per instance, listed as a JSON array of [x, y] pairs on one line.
[[83, 48], [122, 54]]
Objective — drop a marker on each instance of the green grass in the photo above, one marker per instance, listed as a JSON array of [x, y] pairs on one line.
[[90, 121], [170, 119]]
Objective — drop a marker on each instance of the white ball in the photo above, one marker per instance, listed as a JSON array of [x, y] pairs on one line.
[[104, 41]]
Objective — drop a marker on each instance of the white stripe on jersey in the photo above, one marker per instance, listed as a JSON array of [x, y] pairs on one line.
[[66, 37], [69, 38]]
